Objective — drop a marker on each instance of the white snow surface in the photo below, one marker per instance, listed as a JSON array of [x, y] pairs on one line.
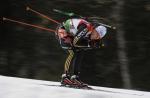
[[12, 87]]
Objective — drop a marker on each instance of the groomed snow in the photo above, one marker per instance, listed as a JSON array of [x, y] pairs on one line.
[[11, 87]]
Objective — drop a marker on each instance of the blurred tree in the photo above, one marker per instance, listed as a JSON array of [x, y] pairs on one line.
[[123, 60]]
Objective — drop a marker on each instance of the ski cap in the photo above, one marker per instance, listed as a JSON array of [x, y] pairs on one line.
[[101, 30]]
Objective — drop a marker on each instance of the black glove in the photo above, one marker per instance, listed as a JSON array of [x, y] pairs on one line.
[[96, 44]]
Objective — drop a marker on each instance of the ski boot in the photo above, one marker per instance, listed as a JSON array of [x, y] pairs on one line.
[[65, 80], [79, 84]]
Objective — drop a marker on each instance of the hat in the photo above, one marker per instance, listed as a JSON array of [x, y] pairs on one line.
[[101, 30]]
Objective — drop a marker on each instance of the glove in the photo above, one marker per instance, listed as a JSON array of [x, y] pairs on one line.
[[96, 44]]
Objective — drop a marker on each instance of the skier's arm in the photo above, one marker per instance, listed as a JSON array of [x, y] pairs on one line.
[[80, 36], [89, 45], [83, 34]]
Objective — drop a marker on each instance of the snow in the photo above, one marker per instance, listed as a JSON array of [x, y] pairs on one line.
[[12, 87]]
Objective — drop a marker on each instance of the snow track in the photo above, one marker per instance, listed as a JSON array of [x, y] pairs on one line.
[[11, 87]]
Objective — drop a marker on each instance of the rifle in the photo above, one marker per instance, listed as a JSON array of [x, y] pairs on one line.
[[71, 14]]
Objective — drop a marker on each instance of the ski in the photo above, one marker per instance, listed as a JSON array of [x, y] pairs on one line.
[[71, 86], [76, 86], [91, 88]]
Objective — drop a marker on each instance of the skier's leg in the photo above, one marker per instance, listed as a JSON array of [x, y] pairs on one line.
[[65, 77], [77, 61], [68, 61]]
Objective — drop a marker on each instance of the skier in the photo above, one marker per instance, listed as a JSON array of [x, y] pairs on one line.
[[77, 35]]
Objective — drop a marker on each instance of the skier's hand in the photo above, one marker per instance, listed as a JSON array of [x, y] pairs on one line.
[[96, 44]]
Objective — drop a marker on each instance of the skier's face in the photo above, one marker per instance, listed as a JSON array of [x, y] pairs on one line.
[[62, 33]]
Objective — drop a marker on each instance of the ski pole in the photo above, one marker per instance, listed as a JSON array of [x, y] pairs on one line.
[[29, 9], [109, 26], [73, 14], [27, 24]]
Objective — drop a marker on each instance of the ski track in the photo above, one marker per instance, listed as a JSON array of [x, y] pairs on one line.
[[12, 87]]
